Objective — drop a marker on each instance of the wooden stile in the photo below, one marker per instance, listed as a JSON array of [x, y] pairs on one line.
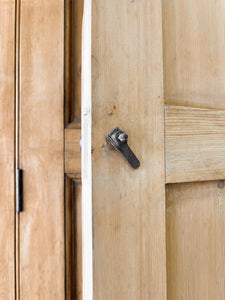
[[128, 205], [42, 259], [7, 218]]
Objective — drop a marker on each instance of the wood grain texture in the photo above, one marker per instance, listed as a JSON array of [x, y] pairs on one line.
[[194, 56], [42, 154], [73, 240], [72, 152], [194, 69], [7, 46], [194, 143], [196, 241], [86, 157], [128, 205]]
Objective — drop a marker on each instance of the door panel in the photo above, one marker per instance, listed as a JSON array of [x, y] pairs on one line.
[[42, 127], [194, 71], [128, 205], [194, 56], [7, 218], [195, 240]]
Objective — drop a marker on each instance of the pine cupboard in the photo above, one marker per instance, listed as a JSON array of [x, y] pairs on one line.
[[78, 221]]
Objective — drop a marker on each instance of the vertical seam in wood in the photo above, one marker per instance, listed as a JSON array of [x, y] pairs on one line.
[[15, 92], [17, 140], [65, 237]]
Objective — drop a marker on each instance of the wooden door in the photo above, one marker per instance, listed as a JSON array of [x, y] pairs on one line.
[[101, 229], [145, 245]]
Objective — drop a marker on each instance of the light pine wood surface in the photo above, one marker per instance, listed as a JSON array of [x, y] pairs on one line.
[[72, 152], [193, 50], [194, 71], [195, 240], [7, 217], [144, 246], [128, 205], [42, 130], [194, 143]]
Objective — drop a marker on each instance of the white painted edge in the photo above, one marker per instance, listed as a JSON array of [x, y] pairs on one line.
[[87, 243]]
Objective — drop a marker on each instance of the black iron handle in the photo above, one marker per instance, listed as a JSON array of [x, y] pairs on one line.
[[118, 139]]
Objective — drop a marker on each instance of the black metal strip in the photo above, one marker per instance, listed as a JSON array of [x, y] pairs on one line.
[[19, 190]]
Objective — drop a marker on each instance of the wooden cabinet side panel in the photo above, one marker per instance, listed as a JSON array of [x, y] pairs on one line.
[[42, 222], [7, 46], [128, 205]]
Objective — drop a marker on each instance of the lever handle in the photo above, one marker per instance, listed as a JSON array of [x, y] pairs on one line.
[[118, 139]]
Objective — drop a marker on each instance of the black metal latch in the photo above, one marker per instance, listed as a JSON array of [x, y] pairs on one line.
[[118, 139], [19, 190]]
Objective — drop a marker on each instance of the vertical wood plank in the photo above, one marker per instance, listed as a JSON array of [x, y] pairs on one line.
[[128, 205], [7, 47], [42, 222]]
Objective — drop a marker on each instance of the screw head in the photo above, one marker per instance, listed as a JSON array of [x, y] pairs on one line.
[[123, 137]]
